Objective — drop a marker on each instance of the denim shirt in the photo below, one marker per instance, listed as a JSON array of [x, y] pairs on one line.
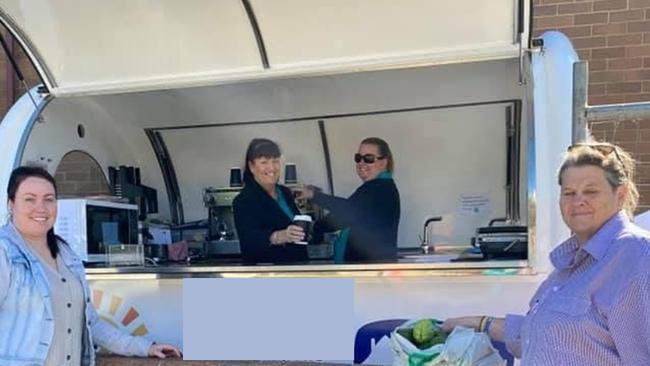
[[26, 314]]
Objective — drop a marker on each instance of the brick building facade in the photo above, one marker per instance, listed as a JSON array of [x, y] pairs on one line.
[[79, 175], [612, 35]]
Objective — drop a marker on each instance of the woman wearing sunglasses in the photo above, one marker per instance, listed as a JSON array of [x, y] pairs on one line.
[[368, 219], [594, 308]]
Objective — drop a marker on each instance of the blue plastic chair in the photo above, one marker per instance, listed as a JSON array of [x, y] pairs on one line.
[[374, 331]]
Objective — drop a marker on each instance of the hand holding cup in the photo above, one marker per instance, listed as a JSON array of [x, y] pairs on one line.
[[291, 234], [305, 223]]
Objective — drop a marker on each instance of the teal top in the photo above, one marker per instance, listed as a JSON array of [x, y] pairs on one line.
[[341, 243], [384, 175], [282, 202]]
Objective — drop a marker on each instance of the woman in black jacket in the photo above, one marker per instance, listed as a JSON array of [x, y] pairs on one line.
[[264, 210], [369, 218]]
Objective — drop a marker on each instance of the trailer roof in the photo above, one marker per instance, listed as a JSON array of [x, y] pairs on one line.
[[84, 47]]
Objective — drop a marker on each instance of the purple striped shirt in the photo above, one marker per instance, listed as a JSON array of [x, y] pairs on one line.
[[594, 308]]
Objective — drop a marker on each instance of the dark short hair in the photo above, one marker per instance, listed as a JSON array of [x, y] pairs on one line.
[[259, 148], [384, 150], [18, 176]]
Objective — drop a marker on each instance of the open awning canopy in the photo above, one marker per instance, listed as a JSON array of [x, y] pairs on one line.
[[84, 47]]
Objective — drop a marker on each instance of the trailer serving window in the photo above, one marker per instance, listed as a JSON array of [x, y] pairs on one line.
[[455, 109], [451, 161]]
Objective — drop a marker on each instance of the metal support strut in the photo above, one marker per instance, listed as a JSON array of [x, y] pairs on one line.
[[584, 113]]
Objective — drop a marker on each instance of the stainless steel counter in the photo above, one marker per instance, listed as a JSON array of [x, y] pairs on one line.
[[410, 263]]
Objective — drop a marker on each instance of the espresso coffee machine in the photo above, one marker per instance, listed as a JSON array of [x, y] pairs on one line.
[[221, 221]]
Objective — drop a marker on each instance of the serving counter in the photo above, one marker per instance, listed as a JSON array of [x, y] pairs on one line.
[[149, 300], [446, 261]]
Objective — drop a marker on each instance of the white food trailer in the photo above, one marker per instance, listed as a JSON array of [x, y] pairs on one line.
[[179, 89]]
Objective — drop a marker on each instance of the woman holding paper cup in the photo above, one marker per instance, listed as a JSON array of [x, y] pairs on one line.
[[265, 210], [593, 308]]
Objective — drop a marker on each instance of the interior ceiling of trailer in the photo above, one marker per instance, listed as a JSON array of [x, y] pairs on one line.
[[83, 47], [281, 100]]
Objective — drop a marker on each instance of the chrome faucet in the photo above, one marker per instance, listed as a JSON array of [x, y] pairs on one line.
[[425, 239]]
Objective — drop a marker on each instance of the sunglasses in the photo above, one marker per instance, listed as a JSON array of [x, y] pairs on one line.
[[605, 149], [367, 158]]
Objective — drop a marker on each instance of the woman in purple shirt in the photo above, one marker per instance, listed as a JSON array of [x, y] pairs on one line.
[[594, 308]]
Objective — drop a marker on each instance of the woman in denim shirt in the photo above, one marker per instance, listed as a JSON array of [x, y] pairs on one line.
[[45, 312], [594, 308]]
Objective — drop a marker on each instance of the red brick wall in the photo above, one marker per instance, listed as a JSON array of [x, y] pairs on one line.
[[614, 37], [634, 137], [7, 73], [78, 175], [29, 72]]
